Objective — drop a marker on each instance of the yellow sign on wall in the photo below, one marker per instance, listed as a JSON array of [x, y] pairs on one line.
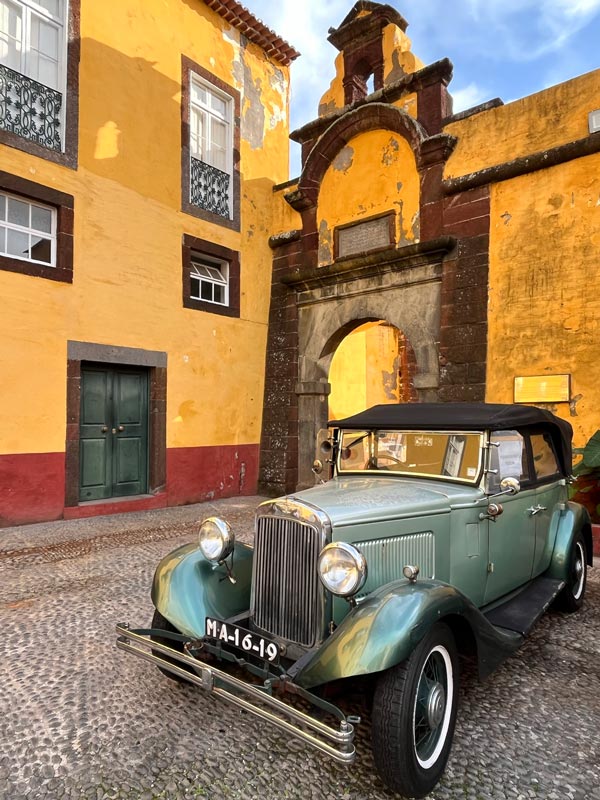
[[543, 389]]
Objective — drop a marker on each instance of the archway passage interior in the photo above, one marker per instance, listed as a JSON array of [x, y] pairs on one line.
[[373, 364]]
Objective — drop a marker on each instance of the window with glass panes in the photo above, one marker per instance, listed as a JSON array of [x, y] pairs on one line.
[[27, 230], [32, 39], [209, 280], [210, 125]]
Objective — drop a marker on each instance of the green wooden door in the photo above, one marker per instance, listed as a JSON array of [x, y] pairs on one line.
[[113, 453]]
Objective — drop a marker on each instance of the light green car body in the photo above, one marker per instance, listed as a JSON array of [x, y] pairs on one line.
[[476, 563]]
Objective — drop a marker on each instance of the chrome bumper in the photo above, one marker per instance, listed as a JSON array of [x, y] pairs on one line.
[[335, 743]]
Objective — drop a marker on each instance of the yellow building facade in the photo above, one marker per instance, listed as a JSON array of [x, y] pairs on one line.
[[471, 237], [541, 159], [138, 152]]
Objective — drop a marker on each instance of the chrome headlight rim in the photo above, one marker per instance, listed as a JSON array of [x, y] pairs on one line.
[[215, 539], [359, 563]]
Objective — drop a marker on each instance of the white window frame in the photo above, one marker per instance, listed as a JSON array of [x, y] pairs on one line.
[[208, 263], [205, 109], [28, 9], [29, 230]]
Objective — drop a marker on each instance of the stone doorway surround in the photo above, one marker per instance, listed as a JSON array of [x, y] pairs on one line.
[[156, 363], [403, 290]]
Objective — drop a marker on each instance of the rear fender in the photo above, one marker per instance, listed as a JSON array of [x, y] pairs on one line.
[[187, 588], [386, 627], [573, 520]]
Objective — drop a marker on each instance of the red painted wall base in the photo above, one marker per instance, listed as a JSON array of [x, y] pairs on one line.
[[32, 485], [32, 488], [596, 539]]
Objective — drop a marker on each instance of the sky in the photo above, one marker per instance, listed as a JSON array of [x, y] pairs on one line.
[[499, 48]]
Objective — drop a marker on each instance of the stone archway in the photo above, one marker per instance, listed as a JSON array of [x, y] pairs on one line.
[[407, 297], [373, 364]]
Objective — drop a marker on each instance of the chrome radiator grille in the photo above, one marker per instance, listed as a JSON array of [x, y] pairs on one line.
[[287, 596]]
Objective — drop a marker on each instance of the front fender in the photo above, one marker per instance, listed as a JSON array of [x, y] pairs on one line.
[[187, 589], [386, 627], [573, 520]]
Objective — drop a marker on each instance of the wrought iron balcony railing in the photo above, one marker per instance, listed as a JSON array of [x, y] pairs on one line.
[[30, 109], [209, 188]]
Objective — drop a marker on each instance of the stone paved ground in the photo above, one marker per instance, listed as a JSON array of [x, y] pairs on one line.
[[79, 719]]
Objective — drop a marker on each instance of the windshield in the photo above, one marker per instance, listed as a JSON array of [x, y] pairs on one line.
[[437, 454]]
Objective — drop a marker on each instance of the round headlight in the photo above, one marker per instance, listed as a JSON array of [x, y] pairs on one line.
[[342, 569], [215, 539]]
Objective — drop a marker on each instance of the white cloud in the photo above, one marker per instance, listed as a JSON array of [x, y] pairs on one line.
[[469, 96]]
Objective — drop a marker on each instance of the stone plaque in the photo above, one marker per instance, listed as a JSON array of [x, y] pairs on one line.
[[372, 234]]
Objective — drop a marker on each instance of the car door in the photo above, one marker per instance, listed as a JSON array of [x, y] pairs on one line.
[[511, 534], [550, 490]]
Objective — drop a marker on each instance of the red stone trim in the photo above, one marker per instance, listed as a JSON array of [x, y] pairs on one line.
[[187, 67], [369, 117], [115, 506]]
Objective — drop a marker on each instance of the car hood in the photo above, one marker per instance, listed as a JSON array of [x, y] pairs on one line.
[[356, 499]]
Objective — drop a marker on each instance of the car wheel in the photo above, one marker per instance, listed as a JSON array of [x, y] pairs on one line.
[[571, 597], [158, 621], [414, 712]]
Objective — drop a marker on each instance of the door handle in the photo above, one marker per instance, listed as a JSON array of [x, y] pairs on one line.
[[118, 429], [104, 428], [533, 510], [121, 428]]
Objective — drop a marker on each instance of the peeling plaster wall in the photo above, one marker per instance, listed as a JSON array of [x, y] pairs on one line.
[[553, 117], [398, 58], [129, 225], [333, 99], [374, 173], [544, 309]]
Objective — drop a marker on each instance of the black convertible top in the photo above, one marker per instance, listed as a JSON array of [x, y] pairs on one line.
[[467, 417]]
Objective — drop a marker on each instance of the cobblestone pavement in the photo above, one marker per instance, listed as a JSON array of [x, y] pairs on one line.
[[80, 719]]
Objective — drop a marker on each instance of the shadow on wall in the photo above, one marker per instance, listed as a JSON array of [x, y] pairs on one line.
[[133, 135]]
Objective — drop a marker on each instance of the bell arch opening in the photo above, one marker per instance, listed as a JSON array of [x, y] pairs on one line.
[[373, 363]]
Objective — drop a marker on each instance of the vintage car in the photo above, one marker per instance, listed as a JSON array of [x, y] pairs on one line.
[[442, 530]]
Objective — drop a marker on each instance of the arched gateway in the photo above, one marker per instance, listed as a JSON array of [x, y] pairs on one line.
[[373, 238]]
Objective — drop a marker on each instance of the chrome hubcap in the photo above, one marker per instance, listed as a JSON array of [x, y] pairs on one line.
[[436, 703], [578, 572]]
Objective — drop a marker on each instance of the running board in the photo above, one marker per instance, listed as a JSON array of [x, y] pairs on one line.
[[522, 611]]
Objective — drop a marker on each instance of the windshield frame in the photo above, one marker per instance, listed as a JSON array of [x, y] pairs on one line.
[[357, 436]]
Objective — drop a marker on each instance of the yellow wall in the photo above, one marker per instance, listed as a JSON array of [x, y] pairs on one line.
[[544, 312], [126, 289], [374, 173], [553, 117], [364, 370]]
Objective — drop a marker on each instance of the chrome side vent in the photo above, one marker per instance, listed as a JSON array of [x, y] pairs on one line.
[[386, 557], [287, 596]]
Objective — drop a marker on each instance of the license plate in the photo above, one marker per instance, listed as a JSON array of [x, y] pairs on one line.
[[242, 639]]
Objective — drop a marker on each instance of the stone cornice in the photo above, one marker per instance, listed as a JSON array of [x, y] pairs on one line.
[[524, 165], [363, 265]]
